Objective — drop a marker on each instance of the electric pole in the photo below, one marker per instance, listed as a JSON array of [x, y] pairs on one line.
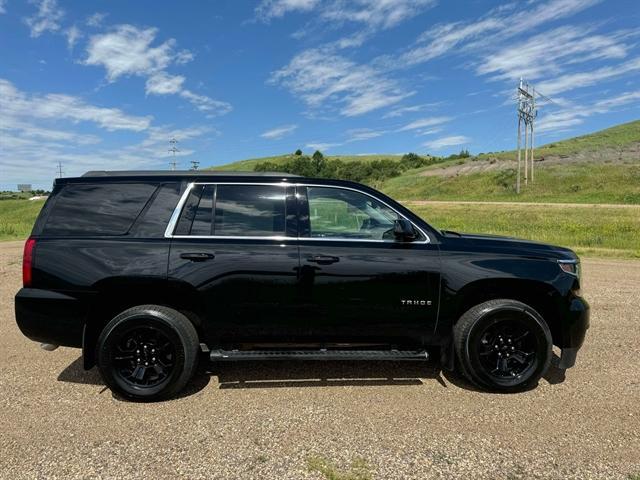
[[60, 172], [527, 113], [194, 164], [173, 149]]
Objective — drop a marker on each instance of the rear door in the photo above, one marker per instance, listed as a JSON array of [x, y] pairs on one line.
[[358, 284], [234, 248]]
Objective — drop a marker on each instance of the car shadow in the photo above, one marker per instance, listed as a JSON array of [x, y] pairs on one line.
[[277, 374], [303, 374]]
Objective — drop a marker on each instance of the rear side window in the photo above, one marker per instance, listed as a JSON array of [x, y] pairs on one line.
[[99, 209], [234, 210]]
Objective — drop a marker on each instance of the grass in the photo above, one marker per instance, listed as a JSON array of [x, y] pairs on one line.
[[598, 231], [17, 218], [570, 183], [610, 138], [359, 470]]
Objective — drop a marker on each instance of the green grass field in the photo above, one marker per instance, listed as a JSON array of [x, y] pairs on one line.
[[594, 231], [571, 183], [591, 231], [17, 218], [249, 164]]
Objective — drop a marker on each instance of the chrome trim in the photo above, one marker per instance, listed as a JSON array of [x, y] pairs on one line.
[[178, 210], [168, 233]]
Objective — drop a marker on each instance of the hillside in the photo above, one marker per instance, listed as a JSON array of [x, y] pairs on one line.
[[601, 167]]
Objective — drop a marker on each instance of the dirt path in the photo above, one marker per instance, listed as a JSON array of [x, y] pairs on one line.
[[540, 204], [264, 421]]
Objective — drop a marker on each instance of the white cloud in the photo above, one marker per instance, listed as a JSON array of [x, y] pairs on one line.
[[398, 112], [573, 115], [497, 25], [359, 134], [127, 50], [320, 78], [162, 83], [375, 14], [38, 130], [424, 123], [443, 142], [3, 7], [321, 146], [268, 9], [571, 81], [73, 35], [130, 51], [17, 104], [279, 132], [550, 52], [96, 19], [46, 19]]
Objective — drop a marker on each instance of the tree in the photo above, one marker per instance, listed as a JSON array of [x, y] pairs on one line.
[[318, 161], [298, 152]]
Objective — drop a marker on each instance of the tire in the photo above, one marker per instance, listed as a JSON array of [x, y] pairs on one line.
[[503, 345], [148, 352]]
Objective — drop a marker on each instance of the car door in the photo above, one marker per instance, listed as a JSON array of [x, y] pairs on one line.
[[358, 283], [234, 250]]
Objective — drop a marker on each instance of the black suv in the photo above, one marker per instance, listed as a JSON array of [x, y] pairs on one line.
[[150, 271]]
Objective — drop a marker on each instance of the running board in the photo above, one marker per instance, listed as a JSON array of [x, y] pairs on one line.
[[239, 355]]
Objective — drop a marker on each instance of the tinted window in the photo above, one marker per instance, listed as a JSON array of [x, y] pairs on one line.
[[100, 209], [249, 210], [240, 210], [154, 220], [339, 213]]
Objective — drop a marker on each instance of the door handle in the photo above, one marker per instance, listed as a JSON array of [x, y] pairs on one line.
[[322, 259], [197, 256]]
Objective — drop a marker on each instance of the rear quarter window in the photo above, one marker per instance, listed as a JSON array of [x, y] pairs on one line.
[[98, 209]]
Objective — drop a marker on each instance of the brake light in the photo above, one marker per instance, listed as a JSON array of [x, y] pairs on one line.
[[27, 262]]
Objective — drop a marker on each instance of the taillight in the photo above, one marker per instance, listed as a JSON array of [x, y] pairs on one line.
[[27, 262]]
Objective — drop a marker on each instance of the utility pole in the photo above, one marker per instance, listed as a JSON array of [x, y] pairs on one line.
[[527, 113], [194, 164], [173, 149], [60, 172]]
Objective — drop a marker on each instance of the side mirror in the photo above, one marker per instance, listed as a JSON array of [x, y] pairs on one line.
[[403, 230]]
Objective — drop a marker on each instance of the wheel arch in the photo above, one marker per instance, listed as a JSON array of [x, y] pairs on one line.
[[541, 296], [116, 295]]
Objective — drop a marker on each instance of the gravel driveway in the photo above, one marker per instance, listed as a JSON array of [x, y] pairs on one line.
[[314, 420]]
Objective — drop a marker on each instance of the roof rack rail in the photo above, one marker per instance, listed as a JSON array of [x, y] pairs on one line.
[[183, 173]]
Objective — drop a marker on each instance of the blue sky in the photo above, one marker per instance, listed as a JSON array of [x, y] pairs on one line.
[[106, 84]]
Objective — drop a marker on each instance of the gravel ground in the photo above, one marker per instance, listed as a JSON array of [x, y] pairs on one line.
[[292, 420]]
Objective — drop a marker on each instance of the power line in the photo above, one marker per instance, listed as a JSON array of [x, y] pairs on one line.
[[60, 171], [527, 113], [173, 149]]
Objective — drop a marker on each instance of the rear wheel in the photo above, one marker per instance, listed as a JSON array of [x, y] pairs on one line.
[[148, 352], [503, 345]]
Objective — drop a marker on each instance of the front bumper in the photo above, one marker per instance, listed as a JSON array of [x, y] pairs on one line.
[[50, 317], [574, 330]]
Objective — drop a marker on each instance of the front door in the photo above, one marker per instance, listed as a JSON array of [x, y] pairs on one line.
[[358, 284], [234, 249]]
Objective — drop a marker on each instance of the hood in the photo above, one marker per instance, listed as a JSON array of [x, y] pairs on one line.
[[497, 243]]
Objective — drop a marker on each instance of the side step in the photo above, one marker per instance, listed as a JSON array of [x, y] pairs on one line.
[[239, 355]]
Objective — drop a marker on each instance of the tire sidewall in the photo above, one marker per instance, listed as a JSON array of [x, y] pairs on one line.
[[543, 347], [110, 337]]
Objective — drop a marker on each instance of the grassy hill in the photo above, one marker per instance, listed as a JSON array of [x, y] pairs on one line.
[[602, 167]]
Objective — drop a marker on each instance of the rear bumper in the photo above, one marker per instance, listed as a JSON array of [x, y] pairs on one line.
[[574, 330], [50, 317]]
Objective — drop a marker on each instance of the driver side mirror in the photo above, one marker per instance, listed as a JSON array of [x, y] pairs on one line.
[[403, 230]]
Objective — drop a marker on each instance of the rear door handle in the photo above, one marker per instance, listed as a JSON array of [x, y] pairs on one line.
[[322, 259], [197, 256]]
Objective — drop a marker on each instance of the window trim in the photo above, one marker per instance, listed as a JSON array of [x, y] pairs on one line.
[[183, 199]]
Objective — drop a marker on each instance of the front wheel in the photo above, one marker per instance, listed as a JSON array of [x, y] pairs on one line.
[[148, 352], [503, 345]]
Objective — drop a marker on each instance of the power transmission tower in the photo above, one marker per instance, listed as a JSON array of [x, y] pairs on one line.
[[173, 149], [60, 171], [194, 164], [527, 113]]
